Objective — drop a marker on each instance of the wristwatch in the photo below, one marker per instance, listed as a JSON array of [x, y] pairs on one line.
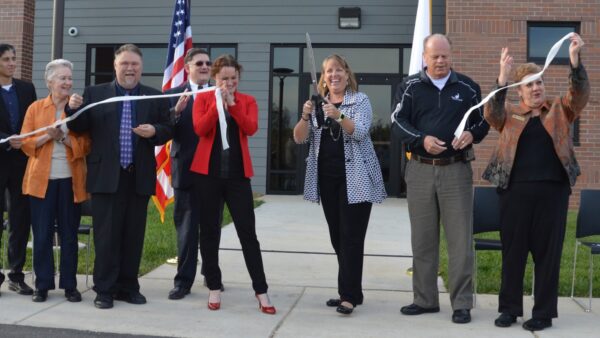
[[342, 116]]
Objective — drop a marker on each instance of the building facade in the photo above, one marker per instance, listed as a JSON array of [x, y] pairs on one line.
[[268, 38], [16, 28]]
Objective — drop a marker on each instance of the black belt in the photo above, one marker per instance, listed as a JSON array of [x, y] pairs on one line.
[[438, 161], [130, 168]]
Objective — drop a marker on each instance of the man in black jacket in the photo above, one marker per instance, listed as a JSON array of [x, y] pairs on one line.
[[121, 174], [428, 108], [183, 147], [15, 98]]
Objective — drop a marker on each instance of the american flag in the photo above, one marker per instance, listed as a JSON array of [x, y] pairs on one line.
[[179, 43]]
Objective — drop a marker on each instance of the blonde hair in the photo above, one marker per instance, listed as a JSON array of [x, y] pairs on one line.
[[352, 84]]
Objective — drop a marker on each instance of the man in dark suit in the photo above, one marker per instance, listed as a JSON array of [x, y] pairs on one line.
[[185, 140], [16, 96], [121, 173]]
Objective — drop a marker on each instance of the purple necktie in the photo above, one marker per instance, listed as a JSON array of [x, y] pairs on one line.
[[125, 137]]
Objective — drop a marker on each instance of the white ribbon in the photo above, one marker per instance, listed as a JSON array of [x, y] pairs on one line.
[[222, 120], [530, 78], [132, 98]]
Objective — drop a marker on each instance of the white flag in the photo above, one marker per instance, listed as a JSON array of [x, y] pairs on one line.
[[422, 30]]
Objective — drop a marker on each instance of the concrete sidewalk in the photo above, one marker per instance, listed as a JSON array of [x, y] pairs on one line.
[[302, 275]]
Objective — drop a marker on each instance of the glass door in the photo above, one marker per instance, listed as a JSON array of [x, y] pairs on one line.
[[380, 90]]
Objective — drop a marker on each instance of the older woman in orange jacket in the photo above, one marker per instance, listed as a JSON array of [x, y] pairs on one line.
[[55, 182]]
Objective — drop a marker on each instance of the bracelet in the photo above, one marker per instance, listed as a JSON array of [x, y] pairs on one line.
[[303, 119]]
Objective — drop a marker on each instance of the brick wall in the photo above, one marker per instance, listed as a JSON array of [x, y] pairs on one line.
[[16, 28], [480, 28]]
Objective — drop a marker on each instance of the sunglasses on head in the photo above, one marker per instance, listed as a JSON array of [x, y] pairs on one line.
[[201, 63]]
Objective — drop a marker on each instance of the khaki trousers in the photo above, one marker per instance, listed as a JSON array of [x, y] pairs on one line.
[[441, 194]]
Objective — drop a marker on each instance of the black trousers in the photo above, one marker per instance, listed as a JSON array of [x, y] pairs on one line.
[[210, 193], [347, 230], [533, 218], [119, 221], [185, 217], [19, 223]]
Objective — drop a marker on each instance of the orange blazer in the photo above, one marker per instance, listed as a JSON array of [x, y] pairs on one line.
[[40, 114], [206, 117]]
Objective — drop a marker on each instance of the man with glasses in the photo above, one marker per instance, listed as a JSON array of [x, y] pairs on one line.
[[185, 140]]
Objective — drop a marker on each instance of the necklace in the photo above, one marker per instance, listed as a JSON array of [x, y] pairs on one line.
[[335, 139]]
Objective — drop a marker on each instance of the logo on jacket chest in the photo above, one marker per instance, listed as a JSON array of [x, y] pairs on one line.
[[456, 97]]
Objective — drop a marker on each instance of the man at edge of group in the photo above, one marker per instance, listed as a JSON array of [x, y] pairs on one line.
[[121, 173], [16, 96], [197, 66], [428, 108]]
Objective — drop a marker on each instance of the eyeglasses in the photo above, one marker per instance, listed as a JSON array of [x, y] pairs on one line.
[[201, 63]]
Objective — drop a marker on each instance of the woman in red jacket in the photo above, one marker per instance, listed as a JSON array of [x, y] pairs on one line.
[[223, 171]]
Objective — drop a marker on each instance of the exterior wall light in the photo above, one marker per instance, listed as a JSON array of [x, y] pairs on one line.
[[349, 18]]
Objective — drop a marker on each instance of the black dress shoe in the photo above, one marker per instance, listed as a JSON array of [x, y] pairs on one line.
[[414, 309], [103, 301], [537, 324], [72, 295], [133, 297], [20, 287], [345, 310], [39, 296], [505, 320], [333, 302], [461, 316], [178, 292]]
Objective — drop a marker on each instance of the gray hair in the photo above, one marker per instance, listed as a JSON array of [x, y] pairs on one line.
[[53, 65]]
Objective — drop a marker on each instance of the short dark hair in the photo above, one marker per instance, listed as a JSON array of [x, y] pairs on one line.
[[129, 47], [224, 60], [193, 52], [4, 47]]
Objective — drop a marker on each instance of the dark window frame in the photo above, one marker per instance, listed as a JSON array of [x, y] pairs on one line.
[[557, 61], [114, 46], [550, 24]]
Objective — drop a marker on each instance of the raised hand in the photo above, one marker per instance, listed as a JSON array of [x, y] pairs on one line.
[[574, 49], [506, 62], [75, 101], [182, 103]]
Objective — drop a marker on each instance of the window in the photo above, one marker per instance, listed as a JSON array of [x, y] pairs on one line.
[[541, 36], [99, 66]]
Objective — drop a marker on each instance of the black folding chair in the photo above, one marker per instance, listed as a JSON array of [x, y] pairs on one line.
[[486, 218], [588, 224]]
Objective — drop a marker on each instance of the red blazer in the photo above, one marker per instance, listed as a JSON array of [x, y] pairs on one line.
[[206, 117]]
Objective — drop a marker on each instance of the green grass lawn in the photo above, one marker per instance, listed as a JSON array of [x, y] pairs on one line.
[[159, 243], [489, 266]]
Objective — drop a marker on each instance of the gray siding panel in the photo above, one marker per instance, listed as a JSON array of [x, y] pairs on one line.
[[253, 25]]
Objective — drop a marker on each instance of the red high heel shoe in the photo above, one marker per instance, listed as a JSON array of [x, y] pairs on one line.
[[214, 306], [270, 310]]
